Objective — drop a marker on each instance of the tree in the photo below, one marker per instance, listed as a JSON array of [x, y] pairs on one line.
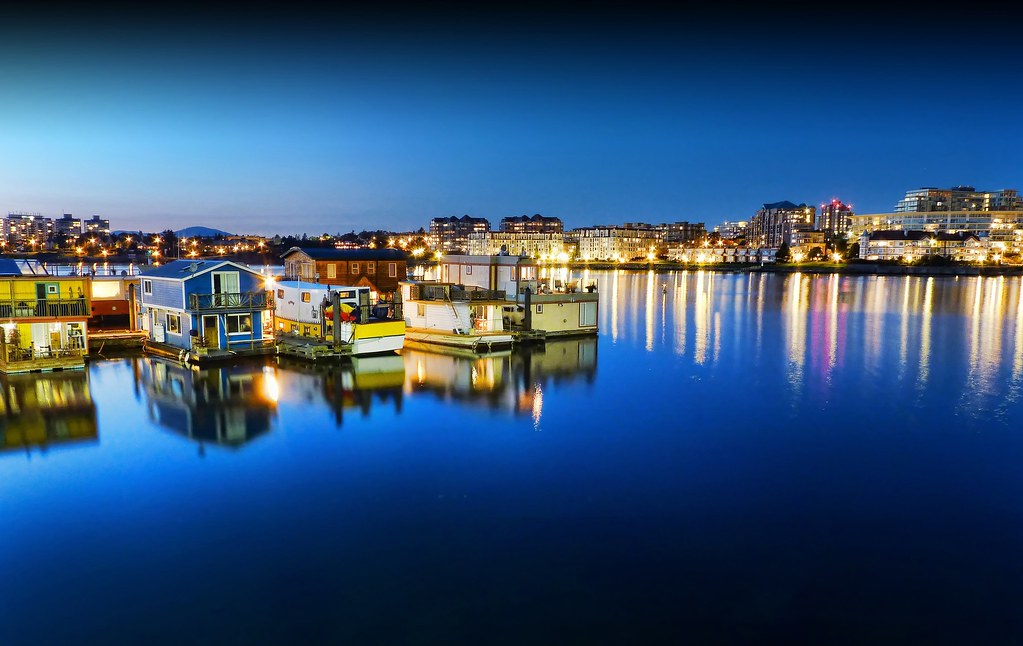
[[815, 254], [783, 254], [854, 250]]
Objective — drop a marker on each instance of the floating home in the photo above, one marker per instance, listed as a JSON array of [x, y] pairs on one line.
[[443, 314], [205, 309], [540, 301], [43, 318], [381, 270], [357, 328]]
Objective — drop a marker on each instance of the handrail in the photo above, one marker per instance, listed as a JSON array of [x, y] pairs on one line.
[[44, 308], [236, 300]]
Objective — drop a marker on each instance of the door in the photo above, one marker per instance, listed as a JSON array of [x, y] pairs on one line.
[[225, 286], [211, 331], [41, 299]]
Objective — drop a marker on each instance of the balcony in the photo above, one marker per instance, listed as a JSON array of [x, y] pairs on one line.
[[14, 359], [240, 301], [47, 309], [445, 292]]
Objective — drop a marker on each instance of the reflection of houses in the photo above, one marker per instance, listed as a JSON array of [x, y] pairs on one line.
[[46, 409], [209, 305], [226, 406], [509, 381], [350, 385], [43, 318]]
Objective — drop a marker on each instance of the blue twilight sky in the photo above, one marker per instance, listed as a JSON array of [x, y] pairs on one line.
[[339, 122]]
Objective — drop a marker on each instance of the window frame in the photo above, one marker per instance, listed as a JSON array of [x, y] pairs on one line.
[[242, 316], [176, 318], [147, 287]]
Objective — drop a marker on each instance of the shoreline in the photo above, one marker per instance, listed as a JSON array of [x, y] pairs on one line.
[[858, 269]]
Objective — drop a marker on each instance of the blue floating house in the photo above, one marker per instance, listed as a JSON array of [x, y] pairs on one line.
[[209, 307]]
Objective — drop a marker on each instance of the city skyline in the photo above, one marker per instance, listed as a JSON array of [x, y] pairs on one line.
[[257, 125]]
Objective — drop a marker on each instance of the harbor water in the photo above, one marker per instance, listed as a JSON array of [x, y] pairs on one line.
[[737, 458]]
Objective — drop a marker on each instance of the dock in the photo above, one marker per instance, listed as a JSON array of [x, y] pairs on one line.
[[203, 356], [311, 348], [115, 340]]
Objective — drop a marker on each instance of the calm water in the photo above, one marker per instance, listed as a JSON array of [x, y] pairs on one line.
[[736, 459]]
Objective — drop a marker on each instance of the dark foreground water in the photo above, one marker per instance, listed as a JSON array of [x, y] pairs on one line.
[[736, 459]]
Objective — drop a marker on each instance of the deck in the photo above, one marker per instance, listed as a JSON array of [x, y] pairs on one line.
[[18, 361], [483, 342]]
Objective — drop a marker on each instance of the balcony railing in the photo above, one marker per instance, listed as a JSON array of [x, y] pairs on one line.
[[48, 308], [245, 300], [450, 292]]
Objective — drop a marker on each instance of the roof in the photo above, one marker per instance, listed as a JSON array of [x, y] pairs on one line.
[[784, 205], [21, 267], [184, 269], [329, 253]]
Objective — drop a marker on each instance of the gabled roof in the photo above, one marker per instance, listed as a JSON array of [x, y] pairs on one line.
[[329, 253], [185, 269]]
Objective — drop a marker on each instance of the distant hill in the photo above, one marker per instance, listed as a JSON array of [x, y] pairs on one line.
[[200, 232]]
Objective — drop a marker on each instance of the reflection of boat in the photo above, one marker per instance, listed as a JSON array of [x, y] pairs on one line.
[[505, 380], [228, 406], [45, 409], [349, 385], [447, 315], [357, 328]]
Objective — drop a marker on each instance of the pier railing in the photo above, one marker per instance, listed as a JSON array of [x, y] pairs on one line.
[[45, 308], [245, 300]]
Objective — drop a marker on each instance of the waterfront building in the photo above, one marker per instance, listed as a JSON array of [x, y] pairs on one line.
[[729, 230], [43, 318], [682, 232], [833, 219], [539, 298], [777, 222], [532, 224], [914, 245], [451, 234], [617, 243], [209, 306], [722, 254], [28, 231], [379, 269], [995, 217], [531, 244], [96, 226]]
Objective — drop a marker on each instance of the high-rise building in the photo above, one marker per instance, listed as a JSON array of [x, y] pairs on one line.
[[833, 218], [96, 225], [28, 230], [68, 225], [777, 223], [532, 224], [958, 198], [451, 234], [732, 230]]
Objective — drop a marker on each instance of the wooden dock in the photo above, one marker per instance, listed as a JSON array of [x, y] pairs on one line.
[[203, 357], [311, 348], [115, 340]]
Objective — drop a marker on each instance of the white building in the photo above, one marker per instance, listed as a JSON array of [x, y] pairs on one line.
[[531, 244], [914, 245], [626, 242]]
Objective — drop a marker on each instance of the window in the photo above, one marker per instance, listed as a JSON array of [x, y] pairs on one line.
[[468, 269], [420, 309], [355, 267], [239, 323], [147, 287], [280, 293], [332, 270], [392, 269], [173, 324], [371, 267], [539, 309], [305, 297]]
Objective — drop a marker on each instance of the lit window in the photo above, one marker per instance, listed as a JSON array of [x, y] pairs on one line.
[[239, 323], [355, 267], [173, 324], [147, 287], [305, 297], [392, 269], [332, 270]]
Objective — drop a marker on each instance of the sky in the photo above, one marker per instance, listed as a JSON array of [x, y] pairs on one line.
[[273, 121]]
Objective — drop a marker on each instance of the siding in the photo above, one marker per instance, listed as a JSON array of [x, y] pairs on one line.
[[166, 293]]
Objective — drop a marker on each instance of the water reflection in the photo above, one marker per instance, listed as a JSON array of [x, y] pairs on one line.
[[226, 406], [42, 410], [354, 385], [809, 328], [510, 381]]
